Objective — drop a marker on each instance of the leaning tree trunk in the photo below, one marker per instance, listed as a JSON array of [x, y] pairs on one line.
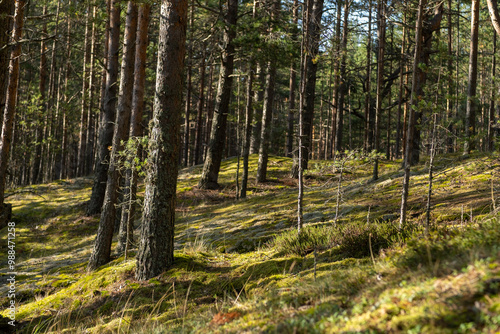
[[125, 236], [495, 17], [470, 114], [215, 149], [156, 250], [108, 113], [102, 245], [10, 107]]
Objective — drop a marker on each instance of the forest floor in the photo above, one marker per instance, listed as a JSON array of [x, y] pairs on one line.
[[240, 268]]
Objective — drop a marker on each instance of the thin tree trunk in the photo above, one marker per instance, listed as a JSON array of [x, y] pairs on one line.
[[89, 151], [82, 146], [380, 81], [411, 117], [199, 116], [189, 66], [367, 141], [291, 97], [102, 245], [491, 118], [248, 130], [339, 132], [156, 250], [125, 236], [109, 112], [470, 115], [401, 87], [213, 159]]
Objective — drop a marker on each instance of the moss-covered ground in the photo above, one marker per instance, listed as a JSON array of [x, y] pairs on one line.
[[231, 276]]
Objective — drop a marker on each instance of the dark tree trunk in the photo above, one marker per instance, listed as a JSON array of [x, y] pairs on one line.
[[367, 140], [102, 245], [156, 250], [213, 159], [128, 213], [199, 115], [258, 100], [339, 131], [10, 106], [189, 66], [6, 7], [470, 115], [380, 81], [491, 116], [411, 117], [108, 116]]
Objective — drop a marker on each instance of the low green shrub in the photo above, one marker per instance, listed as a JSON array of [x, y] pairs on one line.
[[351, 240]]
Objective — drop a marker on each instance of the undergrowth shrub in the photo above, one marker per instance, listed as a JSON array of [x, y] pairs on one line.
[[453, 244], [351, 240]]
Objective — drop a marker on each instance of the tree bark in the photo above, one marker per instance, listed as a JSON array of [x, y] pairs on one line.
[[156, 250], [108, 113], [82, 146], [495, 17], [10, 105], [411, 117], [199, 116], [471, 109], [128, 213], [102, 246], [339, 132], [213, 158], [380, 81], [6, 7]]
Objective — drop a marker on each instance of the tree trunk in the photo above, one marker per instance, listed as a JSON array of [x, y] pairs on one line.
[[258, 100], [10, 106], [339, 132], [187, 130], [401, 88], [199, 116], [248, 130], [128, 214], [367, 141], [108, 116], [156, 250], [491, 116], [6, 7], [411, 118], [89, 152], [213, 159], [470, 115], [82, 146], [495, 17], [380, 81], [267, 112], [291, 97], [102, 245]]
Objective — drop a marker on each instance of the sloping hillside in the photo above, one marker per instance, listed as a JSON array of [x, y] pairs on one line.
[[240, 267]]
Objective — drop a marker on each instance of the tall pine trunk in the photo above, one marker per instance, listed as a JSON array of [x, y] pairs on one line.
[[102, 245], [108, 116], [215, 149], [156, 250]]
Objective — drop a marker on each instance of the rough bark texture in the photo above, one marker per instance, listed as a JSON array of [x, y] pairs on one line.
[[108, 113], [10, 106], [6, 7], [128, 214], [431, 23], [470, 114], [102, 246], [215, 149], [156, 250], [312, 46]]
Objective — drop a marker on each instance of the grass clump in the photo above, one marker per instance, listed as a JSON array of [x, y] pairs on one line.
[[350, 240]]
